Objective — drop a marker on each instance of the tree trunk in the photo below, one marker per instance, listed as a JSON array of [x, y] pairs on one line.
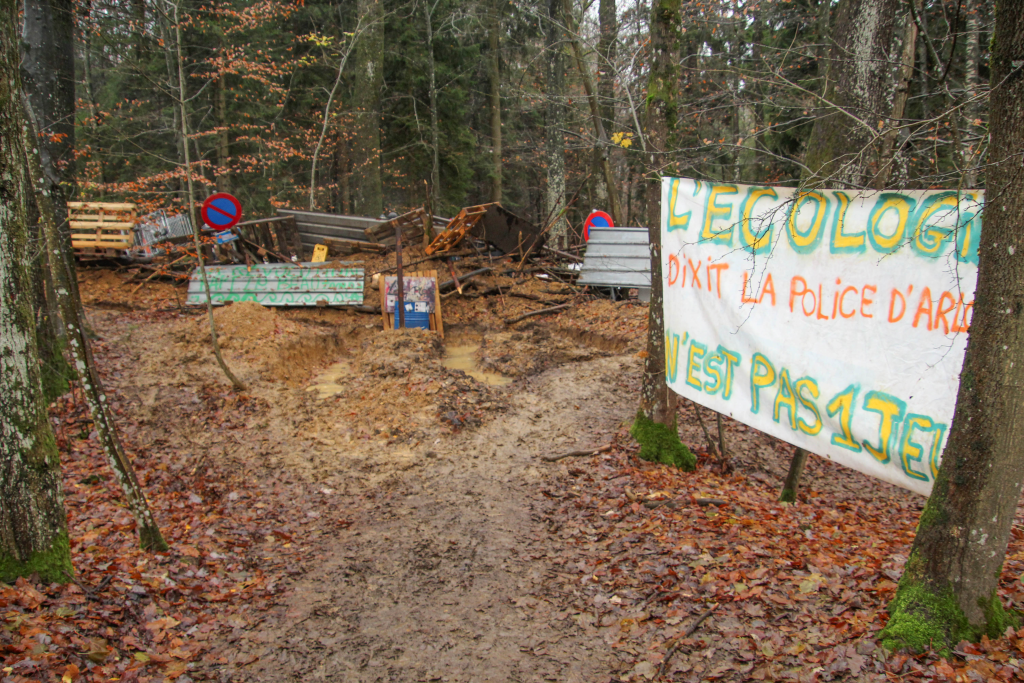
[[948, 588], [494, 82], [167, 40], [863, 76], [973, 109], [792, 484], [33, 525], [554, 124], [655, 424], [435, 138], [606, 52], [890, 166], [223, 136], [368, 193], [48, 79], [603, 145]]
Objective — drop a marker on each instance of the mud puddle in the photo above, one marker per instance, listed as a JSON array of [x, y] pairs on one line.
[[463, 357], [327, 383]]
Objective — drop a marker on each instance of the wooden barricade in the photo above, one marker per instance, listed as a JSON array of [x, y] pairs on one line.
[[277, 236], [436, 324], [101, 228]]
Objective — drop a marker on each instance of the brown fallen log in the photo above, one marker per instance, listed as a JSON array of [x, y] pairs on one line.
[[576, 454], [465, 276], [513, 321]]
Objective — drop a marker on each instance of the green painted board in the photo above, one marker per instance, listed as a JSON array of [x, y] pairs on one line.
[[279, 284]]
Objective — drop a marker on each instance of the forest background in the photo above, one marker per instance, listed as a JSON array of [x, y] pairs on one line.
[[357, 107]]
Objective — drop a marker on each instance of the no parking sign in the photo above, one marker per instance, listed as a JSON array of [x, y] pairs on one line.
[[221, 211], [596, 219]]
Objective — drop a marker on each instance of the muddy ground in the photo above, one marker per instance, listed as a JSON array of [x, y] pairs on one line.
[[452, 567]]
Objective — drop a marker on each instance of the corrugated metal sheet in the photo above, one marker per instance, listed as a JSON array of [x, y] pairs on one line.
[[314, 226], [279, 284], [617, 257]]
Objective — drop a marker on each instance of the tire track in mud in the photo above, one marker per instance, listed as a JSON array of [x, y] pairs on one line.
[[446, 574]]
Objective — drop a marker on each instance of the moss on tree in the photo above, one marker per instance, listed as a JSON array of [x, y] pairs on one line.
[[53, 565], [660, 443], [56, 374], [921, 618]]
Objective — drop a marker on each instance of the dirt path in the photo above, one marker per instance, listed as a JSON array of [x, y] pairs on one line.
[[431, 581]]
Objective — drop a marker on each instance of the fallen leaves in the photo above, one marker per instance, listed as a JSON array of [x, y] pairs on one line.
[[802, 588], [131, 615]]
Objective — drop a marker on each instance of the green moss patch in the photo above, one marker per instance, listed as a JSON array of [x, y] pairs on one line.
[[920, 619], [56, 375], [52, 565], [660, 443]]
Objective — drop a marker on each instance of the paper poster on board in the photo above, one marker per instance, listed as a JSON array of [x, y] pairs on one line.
[[417, 290]]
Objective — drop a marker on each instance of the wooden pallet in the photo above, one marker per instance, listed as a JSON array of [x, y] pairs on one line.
[[436, 324], [101, 228], [465, 221]]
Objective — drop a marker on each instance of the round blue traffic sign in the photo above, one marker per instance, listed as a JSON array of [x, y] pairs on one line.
[[221, 211], [596, 219]]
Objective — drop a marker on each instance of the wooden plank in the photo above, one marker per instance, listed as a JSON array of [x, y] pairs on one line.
[[79, 244], [389, 320], [105, 206], [97, 225], [354, 245]]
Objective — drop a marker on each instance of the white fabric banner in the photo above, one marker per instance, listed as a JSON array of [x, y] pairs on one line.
[[834, 320]]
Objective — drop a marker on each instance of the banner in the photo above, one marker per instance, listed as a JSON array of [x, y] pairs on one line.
[[834, 320]]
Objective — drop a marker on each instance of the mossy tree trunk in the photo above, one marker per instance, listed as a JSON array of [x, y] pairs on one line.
[[655, 425], [33, 526], [48, 79], [948, 588]]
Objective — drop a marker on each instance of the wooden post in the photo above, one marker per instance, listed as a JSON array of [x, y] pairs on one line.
[[400, 301]]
